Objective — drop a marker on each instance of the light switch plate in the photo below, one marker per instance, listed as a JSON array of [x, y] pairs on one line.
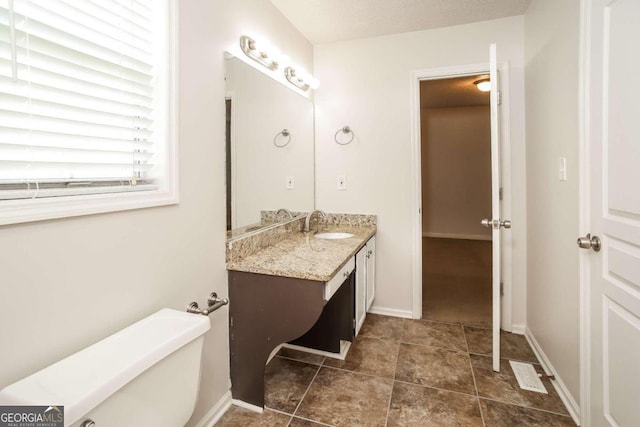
[[290, 182], [342, 182], [562, 168]]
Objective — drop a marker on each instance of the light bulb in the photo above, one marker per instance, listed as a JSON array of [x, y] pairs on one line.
[[283, 60], [483, 85], [314, 83]]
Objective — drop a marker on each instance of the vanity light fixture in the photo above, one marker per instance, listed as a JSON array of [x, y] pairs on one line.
[[304, 81], [483, 85], [255, 51], [271, 59]]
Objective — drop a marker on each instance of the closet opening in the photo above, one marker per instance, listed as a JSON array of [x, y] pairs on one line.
[[455, 129]]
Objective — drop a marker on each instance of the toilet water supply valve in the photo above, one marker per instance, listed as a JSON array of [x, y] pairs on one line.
[[213, 303]]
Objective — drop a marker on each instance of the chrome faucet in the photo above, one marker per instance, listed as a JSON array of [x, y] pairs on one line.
[[308, 219], [286, 211]]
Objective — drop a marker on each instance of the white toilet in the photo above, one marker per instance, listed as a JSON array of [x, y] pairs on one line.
[[144, 375]]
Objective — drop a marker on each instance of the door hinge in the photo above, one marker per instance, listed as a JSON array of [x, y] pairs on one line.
[[500, 195], [499, 98], [501, 289]]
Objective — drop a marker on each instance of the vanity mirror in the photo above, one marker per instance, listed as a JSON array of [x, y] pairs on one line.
[[270, 147]]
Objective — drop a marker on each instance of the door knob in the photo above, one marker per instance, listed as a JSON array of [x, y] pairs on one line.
[[495, 224], [590, 242]]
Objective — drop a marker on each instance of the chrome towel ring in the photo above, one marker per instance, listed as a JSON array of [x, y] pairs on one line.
[[286, 137], [345, 130]]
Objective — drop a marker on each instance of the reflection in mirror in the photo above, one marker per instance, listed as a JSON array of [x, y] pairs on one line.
[[270, 152]]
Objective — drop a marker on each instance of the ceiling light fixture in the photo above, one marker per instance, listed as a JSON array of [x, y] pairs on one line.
[[483, 85]]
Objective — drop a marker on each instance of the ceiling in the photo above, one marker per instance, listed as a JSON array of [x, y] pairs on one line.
[[452, 92], [324, 21]]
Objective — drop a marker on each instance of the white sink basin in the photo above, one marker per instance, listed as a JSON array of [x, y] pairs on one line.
[[333, 236]]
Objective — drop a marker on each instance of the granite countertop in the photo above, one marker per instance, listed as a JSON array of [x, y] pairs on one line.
[[256, 226], [303, 256]]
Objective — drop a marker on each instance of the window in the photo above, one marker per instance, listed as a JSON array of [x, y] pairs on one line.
[[87, 106]]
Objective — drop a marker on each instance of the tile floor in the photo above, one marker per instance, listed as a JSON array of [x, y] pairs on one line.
[[404, 373]]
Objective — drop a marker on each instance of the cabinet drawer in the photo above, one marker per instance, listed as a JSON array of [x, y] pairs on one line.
[[332, 285]]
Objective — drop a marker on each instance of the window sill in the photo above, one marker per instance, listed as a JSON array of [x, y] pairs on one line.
[[20, 211]]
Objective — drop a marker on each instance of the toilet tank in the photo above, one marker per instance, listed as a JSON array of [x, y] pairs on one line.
[[144, 375]]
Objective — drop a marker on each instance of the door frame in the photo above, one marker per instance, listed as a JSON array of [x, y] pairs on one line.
[[584, 209], [416, 181]]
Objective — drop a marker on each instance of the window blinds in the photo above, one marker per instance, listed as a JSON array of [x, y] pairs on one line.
[[77, 96]]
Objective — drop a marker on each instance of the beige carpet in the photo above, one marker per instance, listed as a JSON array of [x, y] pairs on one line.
[[456, 281]]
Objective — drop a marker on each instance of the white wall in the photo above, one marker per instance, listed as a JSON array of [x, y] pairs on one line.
[[552, 47], [366, 84], [262, 107], [456, 171], [69, 283]]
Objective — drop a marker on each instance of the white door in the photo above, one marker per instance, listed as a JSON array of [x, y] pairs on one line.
[[613, 181], [361, 289], [496, 223], [371, 271]]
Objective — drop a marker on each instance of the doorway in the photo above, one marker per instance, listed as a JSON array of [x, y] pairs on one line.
[[455, 140]]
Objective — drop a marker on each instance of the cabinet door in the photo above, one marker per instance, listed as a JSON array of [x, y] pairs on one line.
[[371, 271], [361, 288]]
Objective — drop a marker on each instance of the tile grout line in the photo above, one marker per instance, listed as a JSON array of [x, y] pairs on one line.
[[298, 360], [436, 388], [473, 375], [433, 346], [310, 420], [526, 407], [454, 324], [507, 359], [364, 374], [395, 371], [305, 392], [280, 412]]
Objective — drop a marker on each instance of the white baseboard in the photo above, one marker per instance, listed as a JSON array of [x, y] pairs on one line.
[[519, 329], [456, 236], [216, 412], [564, 393], [342, 355], [249, 406], [274, 352], [406, 314]]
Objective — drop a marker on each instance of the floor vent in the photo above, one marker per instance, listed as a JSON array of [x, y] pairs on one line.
[[527, 377]]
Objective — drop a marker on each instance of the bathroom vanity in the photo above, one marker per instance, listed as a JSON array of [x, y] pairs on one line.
[[286, 286]]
